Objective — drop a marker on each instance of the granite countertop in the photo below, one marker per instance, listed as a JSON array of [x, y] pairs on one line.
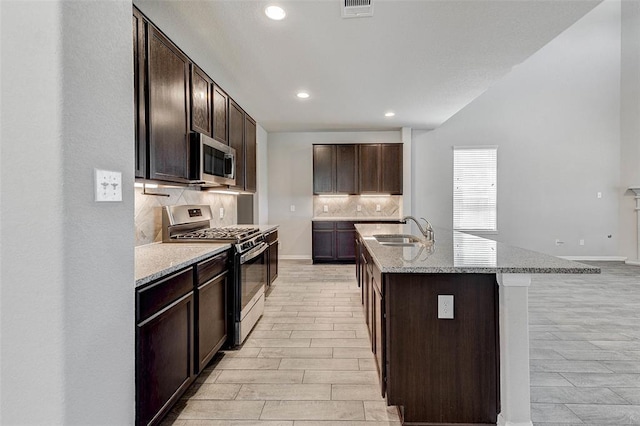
[[356, 218], [458, 252], [157, 260]]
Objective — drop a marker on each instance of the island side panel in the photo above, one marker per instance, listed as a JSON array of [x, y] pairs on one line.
[[442, 370], [514, 352]]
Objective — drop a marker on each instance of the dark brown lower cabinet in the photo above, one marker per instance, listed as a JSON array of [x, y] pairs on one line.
[[457, 358], [211, 308], [438, 371], [164, 347], [212, 318], [335, 241], [323, 241], [181, 323], [345, 241]]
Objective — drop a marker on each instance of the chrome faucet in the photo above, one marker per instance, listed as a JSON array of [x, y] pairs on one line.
[[427, 233]]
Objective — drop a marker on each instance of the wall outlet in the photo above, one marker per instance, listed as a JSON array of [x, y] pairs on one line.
[[445, 306], [581, 242], [292, 208], [358, 208], [221, 212], [599, 194], [325, 208], [558, 242], [108, 186], [378, 207]]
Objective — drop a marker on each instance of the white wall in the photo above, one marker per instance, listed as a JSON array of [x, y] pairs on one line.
[[556, 121], [629, 127], [66, 309], [290, 181]]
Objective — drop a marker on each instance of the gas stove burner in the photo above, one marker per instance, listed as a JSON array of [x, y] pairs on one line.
[[221, 234]]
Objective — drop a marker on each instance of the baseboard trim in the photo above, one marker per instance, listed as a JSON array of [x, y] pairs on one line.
[[632, 262], [596, 258], [293, 257]]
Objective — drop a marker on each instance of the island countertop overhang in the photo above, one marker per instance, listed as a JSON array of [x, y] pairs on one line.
[[455, 252]]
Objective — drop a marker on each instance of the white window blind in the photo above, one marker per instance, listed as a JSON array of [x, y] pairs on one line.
[[475, 188]]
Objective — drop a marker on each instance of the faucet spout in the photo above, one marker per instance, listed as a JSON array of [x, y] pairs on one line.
[[427, 233]]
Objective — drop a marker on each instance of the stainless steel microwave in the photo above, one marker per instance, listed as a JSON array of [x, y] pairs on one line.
[[212, 163]]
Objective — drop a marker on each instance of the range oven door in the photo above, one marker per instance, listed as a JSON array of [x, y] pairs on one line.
[[251, 282]]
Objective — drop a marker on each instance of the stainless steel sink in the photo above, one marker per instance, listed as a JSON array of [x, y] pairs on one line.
[[402, 240]]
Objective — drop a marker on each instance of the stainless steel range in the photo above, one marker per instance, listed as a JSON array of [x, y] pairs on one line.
[[192, 224]]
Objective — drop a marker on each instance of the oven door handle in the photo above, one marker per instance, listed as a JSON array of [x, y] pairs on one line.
[[253, 253]]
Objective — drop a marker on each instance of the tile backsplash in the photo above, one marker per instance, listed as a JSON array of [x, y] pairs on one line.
[[390, 206], [148, 209]]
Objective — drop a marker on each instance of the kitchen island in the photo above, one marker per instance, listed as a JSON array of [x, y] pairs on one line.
[[458, 359]]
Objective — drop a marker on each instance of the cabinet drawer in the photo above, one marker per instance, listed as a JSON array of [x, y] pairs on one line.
[[345, 225], [212, 267], [322, 224], [271, 237], [155, 297]]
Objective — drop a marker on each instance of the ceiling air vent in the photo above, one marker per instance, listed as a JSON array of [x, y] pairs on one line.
[[357, 8]]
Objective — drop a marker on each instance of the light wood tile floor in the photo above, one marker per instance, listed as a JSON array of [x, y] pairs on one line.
[[308, 363], [585, 347]]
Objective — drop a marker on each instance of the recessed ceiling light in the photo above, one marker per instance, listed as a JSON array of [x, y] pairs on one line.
[[389, 114], [302, 95], [275, 12]]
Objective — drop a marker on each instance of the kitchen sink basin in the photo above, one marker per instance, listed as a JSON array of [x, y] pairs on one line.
[[403, 240]]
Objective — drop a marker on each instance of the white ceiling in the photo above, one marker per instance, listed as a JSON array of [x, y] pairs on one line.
[[425, 60]]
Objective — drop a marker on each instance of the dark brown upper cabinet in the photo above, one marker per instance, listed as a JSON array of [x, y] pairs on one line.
[[380, 169], [324, 169], [236, 140], [357, 169], [369, 170], [250, 167], [168, 109], [220, 115], [139, 97], [242, 137], [173, 97], [347, 169], [201, 101], [391, 168]]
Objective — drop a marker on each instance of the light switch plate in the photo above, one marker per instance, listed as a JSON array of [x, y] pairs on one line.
[[445, 306], [108, 186]]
